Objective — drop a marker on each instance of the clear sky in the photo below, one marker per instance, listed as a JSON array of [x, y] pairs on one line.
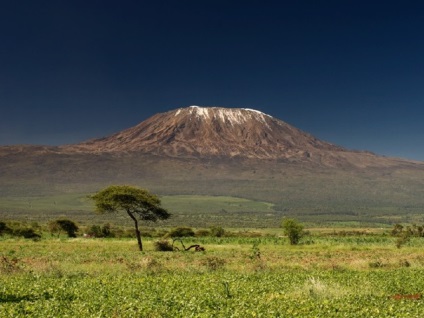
[[348, 72]]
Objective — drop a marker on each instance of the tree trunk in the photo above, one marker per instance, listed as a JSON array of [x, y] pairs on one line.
[[137, 231]]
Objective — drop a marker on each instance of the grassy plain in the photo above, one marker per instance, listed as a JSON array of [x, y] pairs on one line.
[[36, 183], [331, 276], [191, 210], [205, 211]]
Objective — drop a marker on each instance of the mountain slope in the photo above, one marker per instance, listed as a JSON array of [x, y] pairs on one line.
[[212, 131], [218, 151], [216, 132]]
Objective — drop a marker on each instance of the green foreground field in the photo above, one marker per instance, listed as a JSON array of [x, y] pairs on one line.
[[325, 276]]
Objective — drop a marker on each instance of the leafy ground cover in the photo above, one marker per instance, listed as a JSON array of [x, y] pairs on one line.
[[325, 276]]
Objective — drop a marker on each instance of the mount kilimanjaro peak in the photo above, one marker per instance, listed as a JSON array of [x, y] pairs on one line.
[[212, 132], [221, 152]]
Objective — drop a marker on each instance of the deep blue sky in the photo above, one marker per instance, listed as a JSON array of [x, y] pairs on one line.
[[349, 72]]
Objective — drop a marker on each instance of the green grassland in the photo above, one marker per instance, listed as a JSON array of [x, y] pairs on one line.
[[192, 210], [177, 203], [205, 211], [331, 276], [197, 192]]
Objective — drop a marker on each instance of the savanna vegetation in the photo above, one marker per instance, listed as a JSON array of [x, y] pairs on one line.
[[205, 211], [93, 265], [241, 273]]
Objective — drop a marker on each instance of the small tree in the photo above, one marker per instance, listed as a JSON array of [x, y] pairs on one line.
[[136, 202], [67, 226], [293, 229]]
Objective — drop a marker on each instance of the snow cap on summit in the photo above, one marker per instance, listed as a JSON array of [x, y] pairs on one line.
[[213, 132], [232, 115]]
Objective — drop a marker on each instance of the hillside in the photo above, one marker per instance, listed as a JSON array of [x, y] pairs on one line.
[[227, 133]]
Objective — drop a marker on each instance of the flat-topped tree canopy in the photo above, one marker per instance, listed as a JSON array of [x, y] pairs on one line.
[[138, 203]]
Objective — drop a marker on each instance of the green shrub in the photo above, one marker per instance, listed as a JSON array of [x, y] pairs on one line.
[[19, 229], [27, 233], [293, 229], [101, 231], [217, 231], [65, 225], [4, 229]]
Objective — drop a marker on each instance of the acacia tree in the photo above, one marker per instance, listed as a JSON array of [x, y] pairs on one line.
[[136, 202]]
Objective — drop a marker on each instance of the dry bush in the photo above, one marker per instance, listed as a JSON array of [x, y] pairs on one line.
[[10, 265], [163, 246]]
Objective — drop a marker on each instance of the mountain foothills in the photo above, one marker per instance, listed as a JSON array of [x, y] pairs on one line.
[[223, 152]]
